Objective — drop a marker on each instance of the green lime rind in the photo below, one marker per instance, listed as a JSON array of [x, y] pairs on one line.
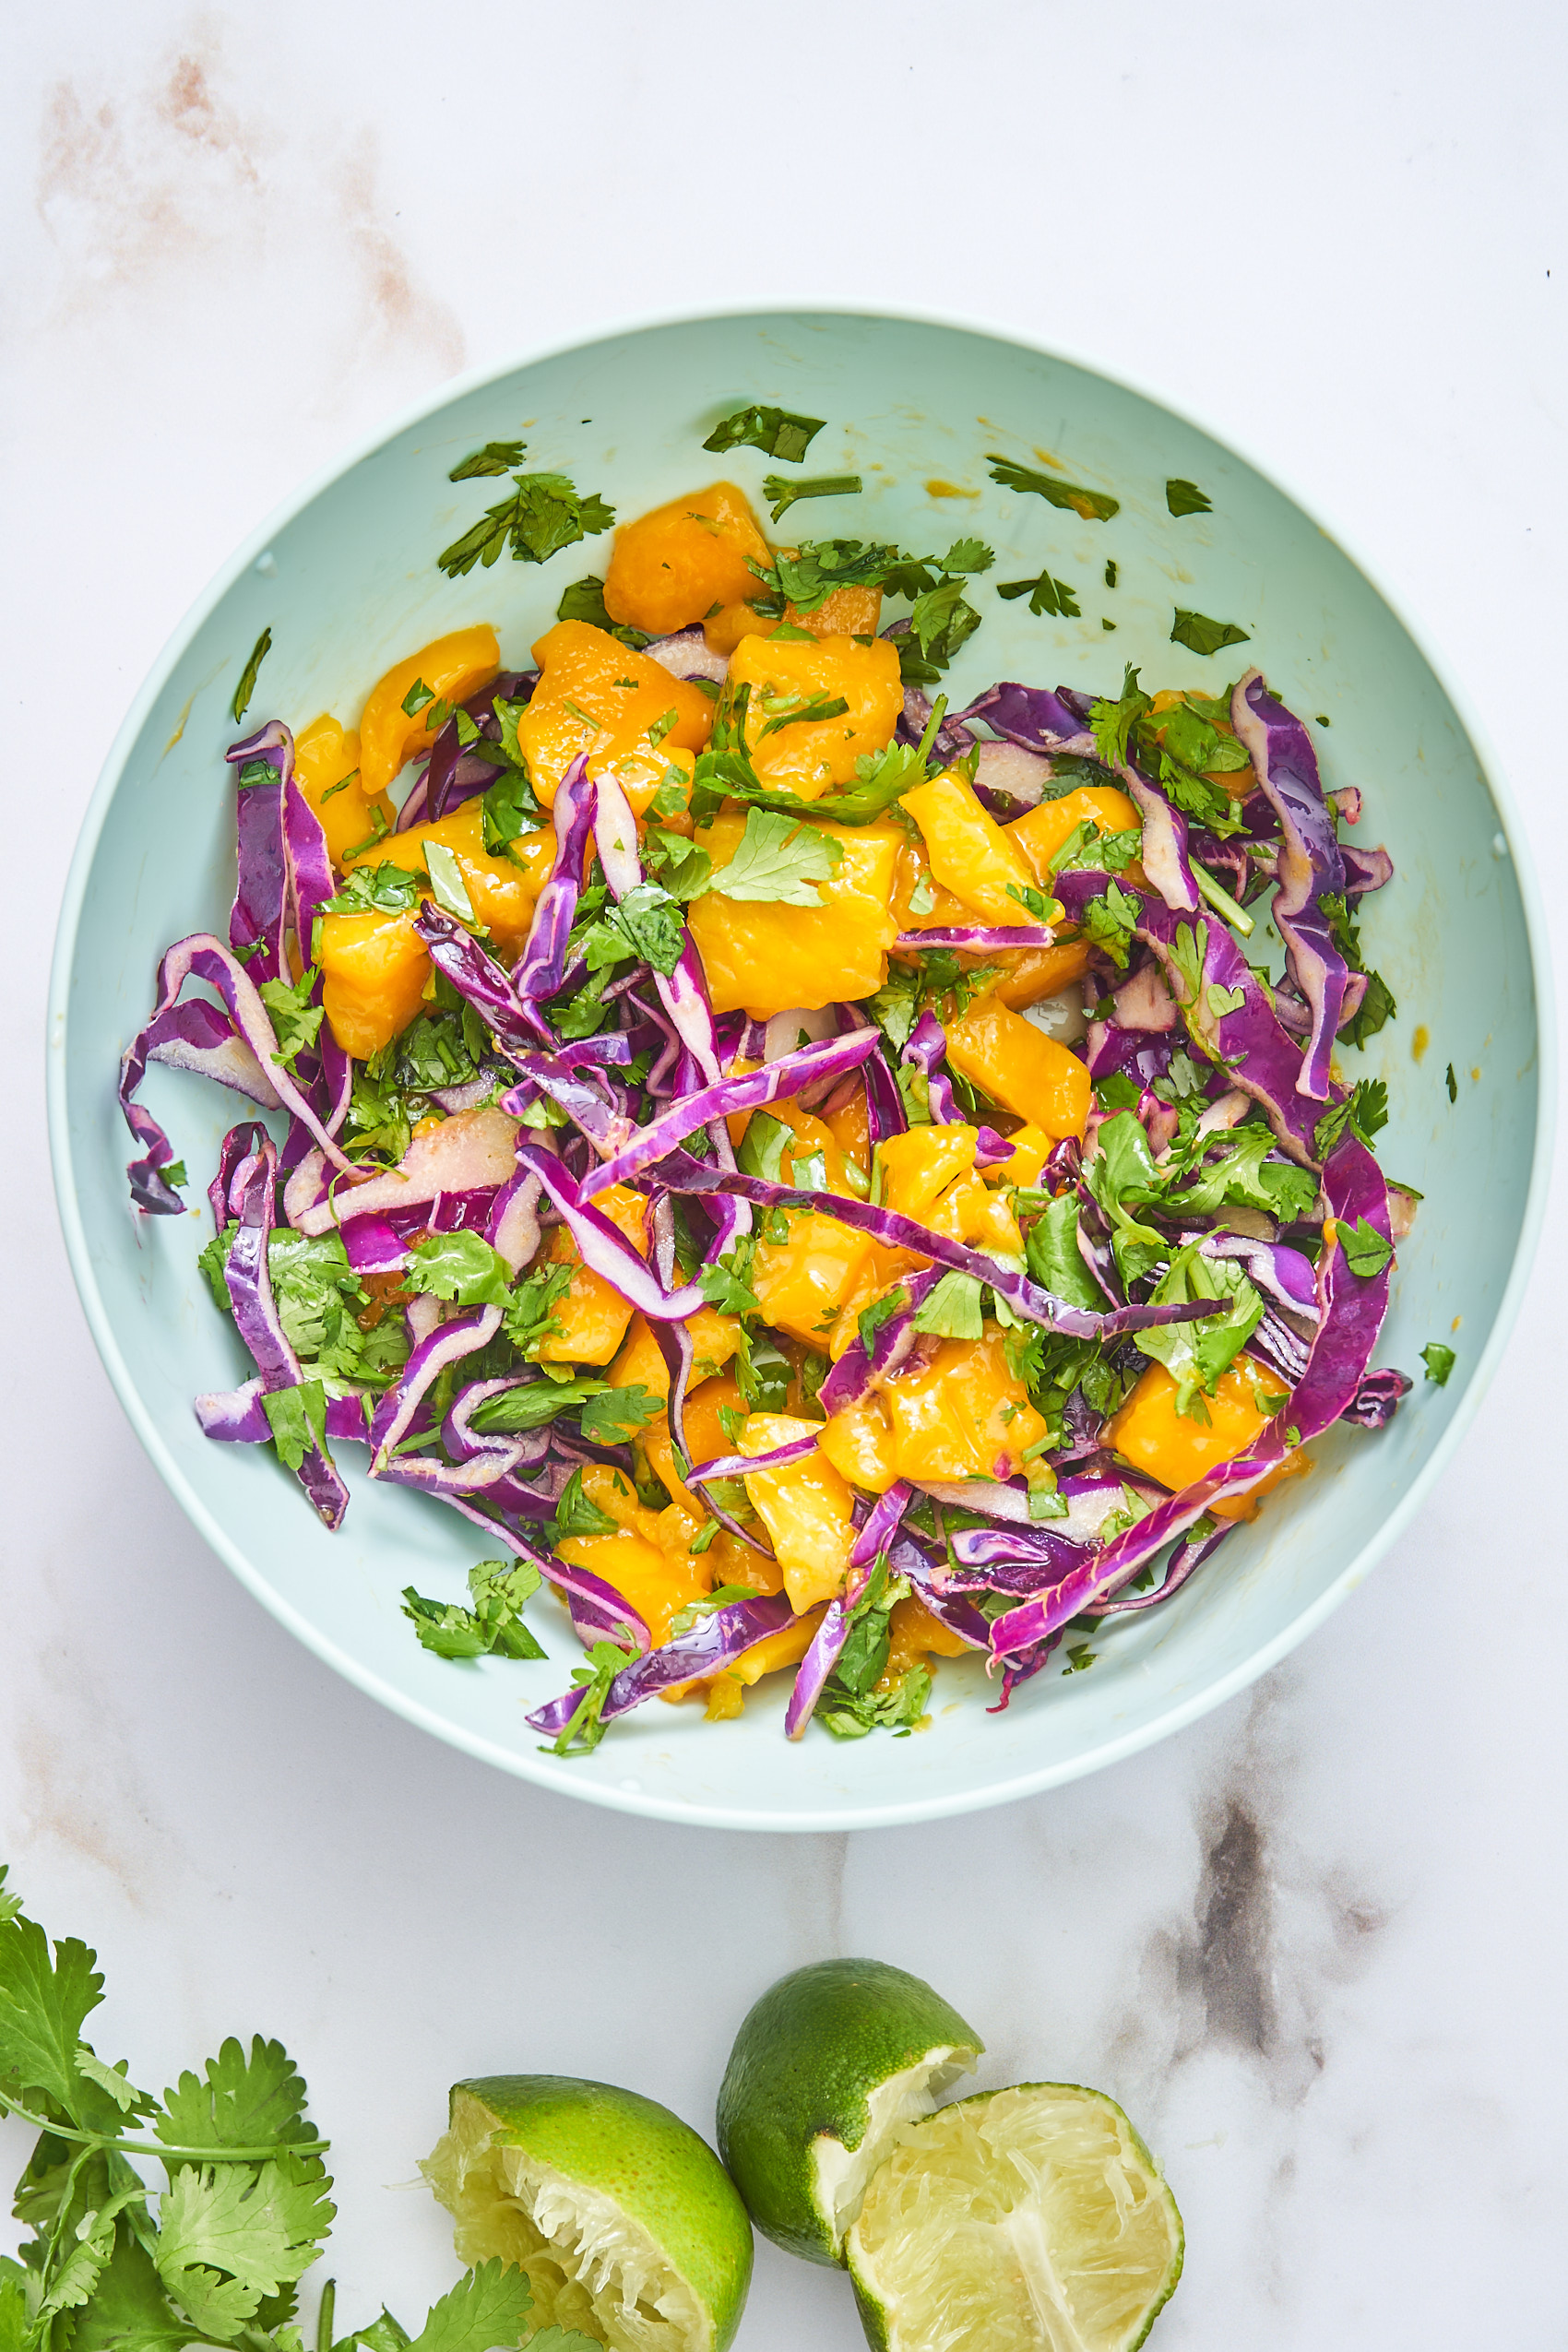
[[619, 2147], [921, 2155], [805, 2064]]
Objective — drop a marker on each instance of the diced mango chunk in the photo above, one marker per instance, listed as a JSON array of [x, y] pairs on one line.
[[674, 564], [915, 1635], [1040, 833], [593, 1315], [374, 970], [918, 1166], [715, 1339], [502, 893], [806, 1507], [453, 668], [595, 695], [810, 756], [1020, 1067], [658, 1584], [964, 1414], [803, 1283], [1028, 974], [858, 1443], [970, 854], [848, 612], [327, 769], [1178, 1448], [764, 957]]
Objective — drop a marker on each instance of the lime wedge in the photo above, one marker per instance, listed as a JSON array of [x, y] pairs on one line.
[[827, 2068], [1026, 2220], [626, 2223]]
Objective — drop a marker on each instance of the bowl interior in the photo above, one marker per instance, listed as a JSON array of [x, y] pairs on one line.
[[346, 581]]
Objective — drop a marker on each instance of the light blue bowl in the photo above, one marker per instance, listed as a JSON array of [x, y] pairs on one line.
[[346, 578]]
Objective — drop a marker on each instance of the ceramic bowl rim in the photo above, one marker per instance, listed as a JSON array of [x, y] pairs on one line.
[[524, 1765]]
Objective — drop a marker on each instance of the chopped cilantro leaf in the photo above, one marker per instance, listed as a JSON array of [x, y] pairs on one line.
[[1046, 596], [1186, 498], [419, 697], [545, 513], [776, 431], [246, 686], [1439, 1362], [1201, 635], [492, 1626], [1452, 1083], [495, 457], [583, 601], [778, 859], [296, 1022], [1366, 1252], [617, 1414], [297, 1417], [385, 889], [1093, 505], [458, 1266]]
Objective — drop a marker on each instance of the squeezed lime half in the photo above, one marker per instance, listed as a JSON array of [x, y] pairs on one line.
[[1026, 2220], [827, 2070], [627, 2225]]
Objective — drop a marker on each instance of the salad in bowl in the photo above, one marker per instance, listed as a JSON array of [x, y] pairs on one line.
[[823, 1180]]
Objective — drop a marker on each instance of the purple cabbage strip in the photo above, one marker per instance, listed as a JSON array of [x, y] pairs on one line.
[[1039, 1553], [952, 740], [1163, 853], [727, 1634], [681, 1173], [1310, 864], [735, 1465], [256, 1319], [1190, 1553], [1351, 1310], [1273, 1267], [822, 1657], [236, 1416], [1031, 717], [857, 1370], [306, 864], [210, 961], [885, 1115], [1022, 1667], [1377, 1398], [981, 939], [686, 655], [512, 1228], [512, 1018], [447, 1344], [194, 1036], [603, 1248], [615, 838], [1365, 869], [830, 1058], [584, 1102], [259, 913], [455, 775], [541, 968], [1262, 1058], [923, 1051], [239, 1144]]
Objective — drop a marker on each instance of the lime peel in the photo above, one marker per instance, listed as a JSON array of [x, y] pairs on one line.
[[621, 2217], [839, 2173]]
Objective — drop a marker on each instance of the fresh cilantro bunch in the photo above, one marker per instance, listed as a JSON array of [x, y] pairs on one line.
[[116, 2264], [493, 1627]]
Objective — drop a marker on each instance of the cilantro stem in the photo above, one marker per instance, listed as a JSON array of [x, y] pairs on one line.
[[324, 2314], [159, 2147], [1221, 900]]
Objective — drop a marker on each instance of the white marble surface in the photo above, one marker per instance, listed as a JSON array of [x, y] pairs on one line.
[[1316, 1943]]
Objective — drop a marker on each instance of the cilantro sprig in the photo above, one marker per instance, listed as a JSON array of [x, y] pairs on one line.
[[545, 513], [779, 433]]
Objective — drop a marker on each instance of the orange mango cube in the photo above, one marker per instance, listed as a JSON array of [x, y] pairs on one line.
[[1020, 1067], [1042, 831], [595, 696], [673, 564], [764, 957], [970, 854], [592, 1315], [806, 1507], [453, 667], [964, 1414], [1178, 1448], [804, 1282], [810, 757], [326, 760]]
